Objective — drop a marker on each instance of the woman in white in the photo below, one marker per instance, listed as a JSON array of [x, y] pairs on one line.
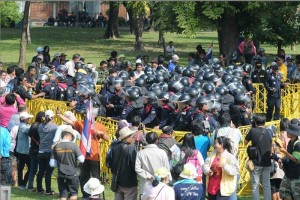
[[159, 190]]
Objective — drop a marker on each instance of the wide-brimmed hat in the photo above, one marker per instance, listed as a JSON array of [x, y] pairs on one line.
[[189, 171], [162, 172], [70, 115], [25, 115], [70, 130], [93, 187], [125, 132], [293, 129]]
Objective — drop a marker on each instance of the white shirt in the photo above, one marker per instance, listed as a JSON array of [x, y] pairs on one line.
[[160, 192], [13, 136], [170, 50], [2, 83], [70, 65], [137, 75]]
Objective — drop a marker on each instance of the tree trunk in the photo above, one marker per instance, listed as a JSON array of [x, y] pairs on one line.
[[112, 29], [131, 20], [28, 34], [279, 45], [228, 33], [138, 31], [24, 36]]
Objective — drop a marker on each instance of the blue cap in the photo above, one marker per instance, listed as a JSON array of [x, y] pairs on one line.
[[40, 49]]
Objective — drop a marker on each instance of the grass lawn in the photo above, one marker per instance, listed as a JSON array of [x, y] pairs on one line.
[[90, 44]]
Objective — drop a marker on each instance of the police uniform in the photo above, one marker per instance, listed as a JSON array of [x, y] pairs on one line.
[[165, 115], [226, 100], [239, 115], [247, 82], [117, 99], [149, 118], [259, 76], [273, 86], [182, 119], [131, 109]]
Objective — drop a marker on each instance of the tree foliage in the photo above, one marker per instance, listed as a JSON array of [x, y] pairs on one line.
[[10, 14]]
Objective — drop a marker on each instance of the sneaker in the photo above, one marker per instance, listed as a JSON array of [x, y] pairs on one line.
[[50, 193]]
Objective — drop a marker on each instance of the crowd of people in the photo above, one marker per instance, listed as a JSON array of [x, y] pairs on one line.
[[209, 98]]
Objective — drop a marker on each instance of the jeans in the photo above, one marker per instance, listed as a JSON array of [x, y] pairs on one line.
[[33, 169], [44, 169], [234, 196], [88, 169], [23, 159], [263, 174]]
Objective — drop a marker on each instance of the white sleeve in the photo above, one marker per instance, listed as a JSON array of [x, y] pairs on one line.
[[231, 168], [53, 162], [57, 136], [80, 158], [206, 166], [200, 158]]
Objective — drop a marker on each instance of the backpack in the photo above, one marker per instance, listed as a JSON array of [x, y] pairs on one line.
[[194, 161], [109, 156], [248, 48]]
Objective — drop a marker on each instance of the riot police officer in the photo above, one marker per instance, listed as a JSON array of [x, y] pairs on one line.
[[259, 75], [182, 118], [238, 111], [166, 109], [246, 80], [149, 118]]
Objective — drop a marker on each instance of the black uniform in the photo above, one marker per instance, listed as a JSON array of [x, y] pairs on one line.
[[117, 99], [239, 115], [131, 109], [273, 86], [165, 115], [259, 76], [150, 118], [182, 119], [226, 100], [247, 82]]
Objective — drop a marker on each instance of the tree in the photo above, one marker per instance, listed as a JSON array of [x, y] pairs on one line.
[[9, 12], [24, 36], [112, 29]]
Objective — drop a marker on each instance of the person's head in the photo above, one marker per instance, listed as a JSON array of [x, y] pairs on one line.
[[49, 115], [188, 141], [225, 120], [197, 127], [246, 38], [121, 57], [25, 117], [151, 137], [114, 54], [161, 175], [113, 72], [281, 52], [261, 51], [295, 121], [136, 120], [258, 63], [1, 65], [175, 59], [275, 69], [139, 67], [40, 50], [259, 120], [40, 117], [168, 130], [154, 63], [222, 57], [103, 65], [95, 112], [111, 62], [31, 70], [19, 71], [76, 58], [11, 70], [46, 50], [284, 124], [68, 134], [171, 43], [202, 54], [10, 99], [223, 143], [22, 108], [62, 56], [189, 171], [22, 79], [280, 59], [40, 59], [198, 48], [293, 131], [145, 59], [2, 75], [126, 135], [191, 56], [289, 61]]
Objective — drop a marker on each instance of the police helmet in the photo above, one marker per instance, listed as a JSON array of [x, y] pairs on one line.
[[44, 70], [150, 79], [118, 80], [175, 86], [132, 94], [202, 100], [185, 81], [124, 75], [140, 82], [178, 69], [163, 86], [199, 77], [157, 91], [158, 78], [193, 92], [226, 78], [164, 96], [184, 98], [151, 96], [220, 90], [208, 88], [247, 68], [43, 77], [61, 68], [207, 75], [86, 90], [219, 71], [148, 71], [143, 76], [214, 78], [187, 72], [78, 65], [229, 71], [197, 83], [137, 89]]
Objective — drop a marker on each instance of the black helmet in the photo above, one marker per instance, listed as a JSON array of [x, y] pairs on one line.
[[202, 100], [150, 79], [220, 71], [235, 79], [132, 94], [185, 81], [196, 67], [239, 98], [158, 78], [118, 80], [220, 90], [44, 70], [78, 65], [143, 76], [229, 71], [160, 68], [164, 96], [214, 78], [163, 86], [193, 92], [208, 88], [175, 78], [207, 75], [91, 85], [185, 98], [157, 91], [148, 71], [140, 82], [218, 96], [247, 68], [43, 77], [151, 96], [61, 68], [226, 78], [137, 89], [154, 86], [110, 80], [187, 72], [199, 77], [175, 86], [124, 75], [178, 69], [234, 55], [197, 83], [86, 90]]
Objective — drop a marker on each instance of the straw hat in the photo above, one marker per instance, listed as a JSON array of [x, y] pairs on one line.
[[125, 132], [93, 187], [189, 171]]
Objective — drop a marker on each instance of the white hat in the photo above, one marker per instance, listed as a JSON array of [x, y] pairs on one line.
[[49, 113], [125, 132], [175, 58], [93, 187], [162, 172], [70, 130], [25, 115], [189, 171]]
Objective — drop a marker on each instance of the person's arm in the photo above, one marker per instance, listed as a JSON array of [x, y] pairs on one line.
[[53, 159], [200, 158], [19, 100], [241, 47], [79, 155], [230, 168], [38, 95], [65, 119], [267, 85], [248, 137], [295, 156], [102, 135], [206, 166], [57, 136]]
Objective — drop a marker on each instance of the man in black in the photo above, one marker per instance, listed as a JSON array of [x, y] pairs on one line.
[[123, 160], [65, 155], [274, 86], [259, 75], [261, 139]]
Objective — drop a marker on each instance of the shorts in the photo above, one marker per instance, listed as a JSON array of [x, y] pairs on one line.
[[275, 185], [68, 185], [290, 188]]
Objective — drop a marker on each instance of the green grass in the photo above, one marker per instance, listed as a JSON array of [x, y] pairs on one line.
[[90, 44]]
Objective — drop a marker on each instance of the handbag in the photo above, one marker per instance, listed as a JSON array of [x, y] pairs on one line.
[[115, 177]]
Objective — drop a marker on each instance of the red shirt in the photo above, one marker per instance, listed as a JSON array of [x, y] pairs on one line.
[[214, 181]]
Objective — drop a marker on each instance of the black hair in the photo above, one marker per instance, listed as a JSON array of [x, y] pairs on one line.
[[197, 127], [64, 133], [82, 59], [30, 68], [202, 51], [114, 54], [259, 120], [284, 124], [192, 55], [136, 120], [19, 71], [225, 142], [1, 72], [282, 57], [10, 99], [145, 56], [39, 117], [188, 144], [199, 47], [11, 69], [224, 119], [21, 78], [76, 55], [223, 55], [103, 62], [46, 50], [151, 137]]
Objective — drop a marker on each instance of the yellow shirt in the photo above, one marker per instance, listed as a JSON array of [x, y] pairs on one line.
[[283, 70]]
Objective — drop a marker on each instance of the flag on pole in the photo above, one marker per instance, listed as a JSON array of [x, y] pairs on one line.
[[86, 136]]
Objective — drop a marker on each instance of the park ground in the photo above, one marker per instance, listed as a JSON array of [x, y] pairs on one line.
[[90, 44]]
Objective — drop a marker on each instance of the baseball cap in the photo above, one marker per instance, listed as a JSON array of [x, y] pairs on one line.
[[25, 115], [40, 49], [49, 113]]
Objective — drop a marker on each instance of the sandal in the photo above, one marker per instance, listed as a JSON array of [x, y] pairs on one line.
[[50, 193]]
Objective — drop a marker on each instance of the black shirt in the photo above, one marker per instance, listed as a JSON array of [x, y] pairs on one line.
[[259, 76], [23, 93], [291, 169], [262, 139]]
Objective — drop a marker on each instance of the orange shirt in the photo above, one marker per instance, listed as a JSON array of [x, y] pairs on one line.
[[78, 126]]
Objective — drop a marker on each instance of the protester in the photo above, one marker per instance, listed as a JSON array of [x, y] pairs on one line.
[[70, 65], [94, 188], [284, 124], [5, 145], [166, 141]]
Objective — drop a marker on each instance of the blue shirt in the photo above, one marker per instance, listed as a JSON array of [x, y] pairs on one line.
[[5, 142], [23, 139], [195, 190], [14, 121], [202, 143], [171, 67]]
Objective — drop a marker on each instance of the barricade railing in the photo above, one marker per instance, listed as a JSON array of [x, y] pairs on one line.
[[34, 106]]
